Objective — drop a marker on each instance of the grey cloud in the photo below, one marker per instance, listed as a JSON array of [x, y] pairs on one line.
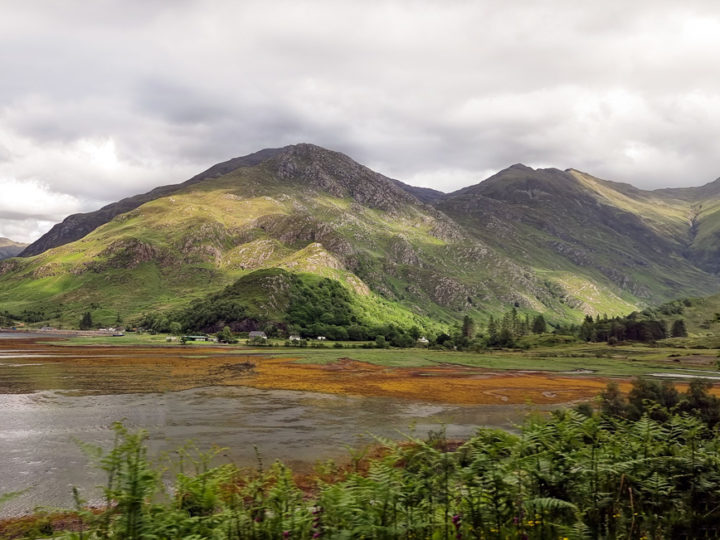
[[624, 91]]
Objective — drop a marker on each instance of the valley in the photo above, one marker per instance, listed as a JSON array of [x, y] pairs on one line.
[[561, 243], [345, 310]]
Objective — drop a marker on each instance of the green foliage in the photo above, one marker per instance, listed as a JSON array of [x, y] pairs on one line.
[[660, 400], [175, 328], [539, 326], [468, 327], [303, 304], [226, 335], [643, 327], [570, 475], [318, 300], [678, 329], [86, 323], [510, 328]]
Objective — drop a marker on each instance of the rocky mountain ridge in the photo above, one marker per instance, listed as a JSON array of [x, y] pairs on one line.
[[559, 242]]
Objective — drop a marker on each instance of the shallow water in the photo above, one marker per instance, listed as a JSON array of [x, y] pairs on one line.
[[39, 429]]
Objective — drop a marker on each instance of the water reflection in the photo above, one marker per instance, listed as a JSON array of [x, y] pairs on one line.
[[47, 408], [38, 430]]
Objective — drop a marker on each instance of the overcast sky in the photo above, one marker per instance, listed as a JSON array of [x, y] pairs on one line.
[[102, 99]]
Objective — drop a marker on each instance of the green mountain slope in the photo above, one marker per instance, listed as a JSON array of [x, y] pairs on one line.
[[305, 210], [561, 243], [604, 244]]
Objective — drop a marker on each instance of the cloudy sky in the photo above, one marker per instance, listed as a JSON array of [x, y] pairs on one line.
[[102, 99]]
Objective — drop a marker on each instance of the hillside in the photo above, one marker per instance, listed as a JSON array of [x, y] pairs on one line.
[[700, 315], [559, 242], [304, 209], [10, 248], [76, 226], [608, 243]]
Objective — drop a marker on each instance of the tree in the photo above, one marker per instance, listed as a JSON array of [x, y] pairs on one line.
[[699, 402], [468, 327], [86, 323], [652, 397], [225, 335], [539, 326], [505, 338], [414, 333], [679, 329], [492, 331], [175, 328]]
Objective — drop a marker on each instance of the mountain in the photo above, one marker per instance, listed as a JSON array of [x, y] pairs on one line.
[[585, 233], [302, 209], [251, 236], [9, 248], [76, 226]]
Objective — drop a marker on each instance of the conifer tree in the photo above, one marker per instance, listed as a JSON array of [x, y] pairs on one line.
[[679, 329], [86, 323], [468, 327], [539, 325]]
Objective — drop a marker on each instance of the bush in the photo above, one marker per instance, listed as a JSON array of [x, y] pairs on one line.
[[558, 476]]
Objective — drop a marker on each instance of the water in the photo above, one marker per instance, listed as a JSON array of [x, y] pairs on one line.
[[39, 429]]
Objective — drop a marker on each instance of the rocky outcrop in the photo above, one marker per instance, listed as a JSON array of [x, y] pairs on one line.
[[128, 253], [337, 175], [299, 230], [402, 252], [7, 267]]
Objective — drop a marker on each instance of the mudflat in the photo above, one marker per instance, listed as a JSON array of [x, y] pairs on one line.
[[36, 364]]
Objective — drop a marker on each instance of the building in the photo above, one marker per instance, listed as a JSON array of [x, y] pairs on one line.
[[196, 338], [256, 334], [294, 338]]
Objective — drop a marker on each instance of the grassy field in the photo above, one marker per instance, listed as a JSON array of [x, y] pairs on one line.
[[682, 357]]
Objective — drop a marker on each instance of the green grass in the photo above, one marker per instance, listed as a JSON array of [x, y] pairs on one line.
[[601, 359]]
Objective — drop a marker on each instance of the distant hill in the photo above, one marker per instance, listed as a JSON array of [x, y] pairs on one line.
[[563, 243], [10, 248]]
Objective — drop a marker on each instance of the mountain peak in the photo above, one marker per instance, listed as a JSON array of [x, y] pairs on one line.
[[338, 175], [518, 167], [4, 242], [519, 182], [10, 248], [309, 165]]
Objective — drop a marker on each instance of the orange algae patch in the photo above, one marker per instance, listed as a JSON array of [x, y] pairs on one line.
[[161, 368], [440, 384]]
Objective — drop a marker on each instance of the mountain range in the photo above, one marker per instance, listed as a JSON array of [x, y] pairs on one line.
[[10, 248], [559, 242]]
